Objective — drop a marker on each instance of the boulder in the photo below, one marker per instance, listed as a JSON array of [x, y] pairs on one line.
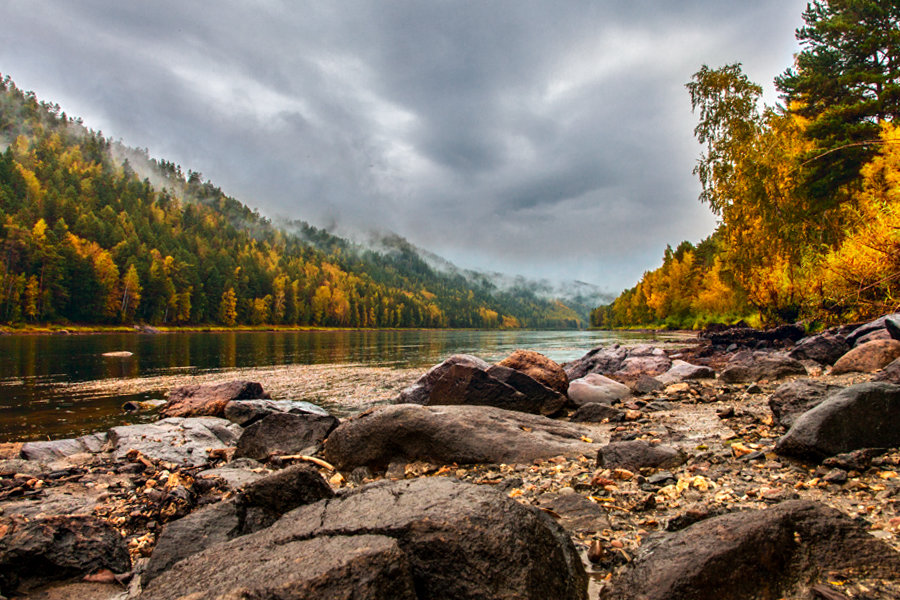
[[794, 398], [184, 441], [55, 449], [247, 412], [449, 434], [209, 400], [423, 538], [878, 334], [745, 367], [598, 360], [419, 392], [57, 547], [538, 367], [466, 380], [868, 357], [646, 385], [283, 433], [860, 416], [853, 338], [596, 388], [256, 507], [766, 554], [683, 371], [636, 365], [889, 374], [638, 454], [824, 348], [594, 412]]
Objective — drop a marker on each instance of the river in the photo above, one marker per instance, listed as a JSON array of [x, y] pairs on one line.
[[55, 386]]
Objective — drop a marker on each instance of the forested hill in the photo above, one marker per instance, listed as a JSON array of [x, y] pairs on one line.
[[91, 237], [807, 194]]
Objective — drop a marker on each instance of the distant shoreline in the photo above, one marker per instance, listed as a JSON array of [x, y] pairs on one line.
[[153, 330]]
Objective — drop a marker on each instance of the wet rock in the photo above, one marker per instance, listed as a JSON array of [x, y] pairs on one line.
[[787, 548], [597, 388], [184, 441], [860, 416], [598, 360], [745, 367], [209, 400], [889, 374], [419, 392], [594, 412], [879, 324], [868, 357], [247, 412], [638, 454], [57, 547], [466, 380], [683, 371], [441, 539], [576, 513], [825, 348], [283, 433], [792, 399], [448, 434], [258, 506], [538, 367], [54, 449]]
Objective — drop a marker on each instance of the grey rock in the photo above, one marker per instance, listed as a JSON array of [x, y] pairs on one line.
[[638, 454], [854, 337], [792, 399], [596, 388], [541, 399], [860, 416], [600, 360], [247, 412], [787, 548], [683, 371], [449, 434], [283, 433], [449, 539], [746, 367], [183, 441], [594, 412], [646, 385], [890, 373], [55, 449], [576, 513], [636, 365], [419, 392], [824, 348]]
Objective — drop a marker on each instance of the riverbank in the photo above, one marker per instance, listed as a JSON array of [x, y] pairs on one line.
[[667, 459]]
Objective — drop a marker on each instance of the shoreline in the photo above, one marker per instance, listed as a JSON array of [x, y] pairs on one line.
[[163, 329]]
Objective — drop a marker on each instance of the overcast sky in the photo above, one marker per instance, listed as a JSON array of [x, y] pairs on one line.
[[550, 139]]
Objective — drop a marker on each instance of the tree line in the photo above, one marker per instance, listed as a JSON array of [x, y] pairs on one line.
[[807, 193], [85, 239]]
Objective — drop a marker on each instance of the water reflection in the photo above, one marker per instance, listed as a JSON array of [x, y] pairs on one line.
[[35, 370]]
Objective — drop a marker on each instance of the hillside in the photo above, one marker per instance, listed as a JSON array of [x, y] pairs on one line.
[[96, 232]]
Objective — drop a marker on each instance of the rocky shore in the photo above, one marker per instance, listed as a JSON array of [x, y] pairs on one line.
[[748, 465]]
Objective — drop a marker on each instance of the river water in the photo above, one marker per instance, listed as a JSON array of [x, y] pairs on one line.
[[55, 386]]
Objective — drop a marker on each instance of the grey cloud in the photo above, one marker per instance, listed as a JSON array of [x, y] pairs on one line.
[[549, 139]]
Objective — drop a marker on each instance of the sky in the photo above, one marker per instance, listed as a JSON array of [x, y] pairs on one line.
[[550, 139]]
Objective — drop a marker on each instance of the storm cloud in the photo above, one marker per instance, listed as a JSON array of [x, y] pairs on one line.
[[549, 139]]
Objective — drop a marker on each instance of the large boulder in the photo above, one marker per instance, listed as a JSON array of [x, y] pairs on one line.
[[209, 400], [792, 399], [425, 538], [638, 454], [57, 547], [466, 380], [748, 366], [254, 508], [868, 357], [683, 371], [767, 554], [643, 364], [596, 388], [184, 441], [598, 360], [824, 348], [860, 416], [538, 367], [283, 433], [449, 434]]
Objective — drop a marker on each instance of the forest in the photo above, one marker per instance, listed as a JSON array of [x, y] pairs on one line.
[[86, 239], [807, 193]]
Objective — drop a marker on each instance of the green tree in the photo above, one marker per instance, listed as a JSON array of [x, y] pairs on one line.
[[846, 81]]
